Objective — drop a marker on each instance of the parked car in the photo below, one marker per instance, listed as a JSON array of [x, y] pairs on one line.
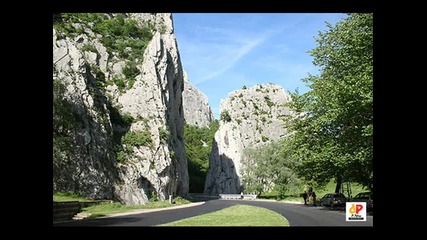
[[333, 200], [367, 197]]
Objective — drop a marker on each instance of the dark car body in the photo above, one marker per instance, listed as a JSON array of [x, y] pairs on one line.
[[333, 200], [367, 197]]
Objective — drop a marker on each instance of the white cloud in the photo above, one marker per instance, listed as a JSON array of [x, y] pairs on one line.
[[223, 49], [236, 55]]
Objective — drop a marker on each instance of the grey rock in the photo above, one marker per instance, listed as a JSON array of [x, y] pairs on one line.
[[255, 119], [91, 169], [154, 101], [159, 103], [197, 111]]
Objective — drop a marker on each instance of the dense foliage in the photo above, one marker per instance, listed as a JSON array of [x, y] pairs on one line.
[[119, 33], [198, 147], [64, 123], [225, 116], [268, 168], [333, 127]]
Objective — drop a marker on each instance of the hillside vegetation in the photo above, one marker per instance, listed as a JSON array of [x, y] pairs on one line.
[[198, 147]]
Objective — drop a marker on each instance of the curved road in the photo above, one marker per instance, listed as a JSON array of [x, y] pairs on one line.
[[297, 215]]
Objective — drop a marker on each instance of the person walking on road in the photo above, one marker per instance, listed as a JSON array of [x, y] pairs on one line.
[[313, 194], [305, 195]]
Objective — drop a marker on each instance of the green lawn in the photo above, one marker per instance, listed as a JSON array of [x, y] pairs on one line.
[[238, 215], [320, 192], [68, 196], [105, 208], [330, 188]]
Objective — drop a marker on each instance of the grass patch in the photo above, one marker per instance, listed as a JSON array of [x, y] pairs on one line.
[[69, 196], [274, 195], [330, 188], [238, 215], [104, 209]]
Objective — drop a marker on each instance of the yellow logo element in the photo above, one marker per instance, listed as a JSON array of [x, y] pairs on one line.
[[355, 208]]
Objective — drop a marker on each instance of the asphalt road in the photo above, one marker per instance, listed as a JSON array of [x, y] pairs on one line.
[[297, 215]]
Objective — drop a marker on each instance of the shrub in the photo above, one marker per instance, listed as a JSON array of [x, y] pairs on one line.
[[162, 29], [225, 116], [121, 156], [180, 201], [255, 106], [90, 48], [131, 70], [120, 83], [99, 74], [127, 119], [64, 123], [131, 82], [264, 112], [154, 196], [244, 102], [164, 135], [118, 32], [269, 102], [137, 138]]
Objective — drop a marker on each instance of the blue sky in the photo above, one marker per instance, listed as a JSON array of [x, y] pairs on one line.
[[221, 52]]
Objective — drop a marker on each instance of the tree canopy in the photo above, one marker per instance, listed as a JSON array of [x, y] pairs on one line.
[[267, 168], [198, 147], [333, 122]]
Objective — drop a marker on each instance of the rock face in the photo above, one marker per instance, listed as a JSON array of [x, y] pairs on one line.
[[249, 117], [128, 141], [197, 111]]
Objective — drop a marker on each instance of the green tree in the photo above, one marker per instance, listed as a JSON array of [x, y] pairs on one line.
[[225, 116], [333, 123], [64, 123], [198, 147], [269, 167]]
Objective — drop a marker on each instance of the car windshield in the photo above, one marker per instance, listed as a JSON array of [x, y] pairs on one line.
[[362, 196]]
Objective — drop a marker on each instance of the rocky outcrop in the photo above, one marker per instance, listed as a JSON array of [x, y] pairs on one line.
[[127, 135], [87, 165], [197, 111], [249, 117]]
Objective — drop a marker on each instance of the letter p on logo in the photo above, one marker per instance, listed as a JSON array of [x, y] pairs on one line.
[[359, 207]]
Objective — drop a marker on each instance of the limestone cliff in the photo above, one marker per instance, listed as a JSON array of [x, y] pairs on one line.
[[122, 83], [197, 111], [248, 117]]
